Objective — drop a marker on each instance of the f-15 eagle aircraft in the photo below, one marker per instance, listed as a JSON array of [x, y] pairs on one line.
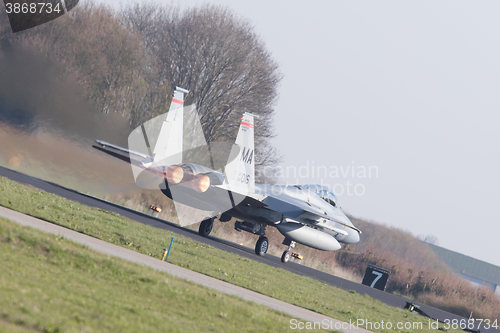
[[305, 214]]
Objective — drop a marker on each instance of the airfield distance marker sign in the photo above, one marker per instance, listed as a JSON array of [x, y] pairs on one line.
[[376, 277]]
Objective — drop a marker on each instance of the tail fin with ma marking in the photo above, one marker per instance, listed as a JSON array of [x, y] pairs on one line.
[[240, 170]]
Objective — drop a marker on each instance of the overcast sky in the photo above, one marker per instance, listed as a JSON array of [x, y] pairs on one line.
[[409, 88]]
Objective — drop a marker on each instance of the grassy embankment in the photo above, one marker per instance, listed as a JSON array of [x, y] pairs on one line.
[[416, 272], [277, 283], [50, 284]]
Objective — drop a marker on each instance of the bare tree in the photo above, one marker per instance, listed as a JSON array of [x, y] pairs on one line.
[[128, 62], [220, 60], [108, 60]]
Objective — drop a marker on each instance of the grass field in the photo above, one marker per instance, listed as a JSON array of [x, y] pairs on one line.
[[49, 284], [274, 282]]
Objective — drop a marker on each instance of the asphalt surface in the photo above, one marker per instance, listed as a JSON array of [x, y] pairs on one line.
[[224, 245]]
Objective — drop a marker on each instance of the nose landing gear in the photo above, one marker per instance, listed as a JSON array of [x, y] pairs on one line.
[[287, 254]]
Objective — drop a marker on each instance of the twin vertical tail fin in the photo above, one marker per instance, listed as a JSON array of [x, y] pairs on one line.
[[240, 169], [169, 143]]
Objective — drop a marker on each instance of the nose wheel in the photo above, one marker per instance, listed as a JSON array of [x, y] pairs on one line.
[[287, 254]]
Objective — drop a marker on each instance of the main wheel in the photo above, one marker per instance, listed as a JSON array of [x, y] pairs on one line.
[[261, 246], [286, 256], [206, 227]]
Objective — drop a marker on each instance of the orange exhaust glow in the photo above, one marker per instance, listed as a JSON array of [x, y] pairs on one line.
[[175, 174], [202, 184]]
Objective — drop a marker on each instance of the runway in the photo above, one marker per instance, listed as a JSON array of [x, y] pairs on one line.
[[273, 261]]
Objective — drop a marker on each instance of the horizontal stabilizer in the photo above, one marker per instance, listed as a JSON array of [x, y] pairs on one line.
[[125, 150]]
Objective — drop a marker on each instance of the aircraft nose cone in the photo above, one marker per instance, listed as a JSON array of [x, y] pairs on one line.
[[355, 237]]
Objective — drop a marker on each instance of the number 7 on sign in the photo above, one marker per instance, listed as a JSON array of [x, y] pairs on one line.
[[379, 275]]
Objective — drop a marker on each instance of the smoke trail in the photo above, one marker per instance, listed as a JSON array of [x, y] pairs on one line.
[[36, 94], [47, 128]]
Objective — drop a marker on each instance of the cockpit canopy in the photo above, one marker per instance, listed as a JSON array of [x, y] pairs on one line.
[[324, 193], [328, 196]]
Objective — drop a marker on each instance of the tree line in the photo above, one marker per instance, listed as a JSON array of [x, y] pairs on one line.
[[129, 60]]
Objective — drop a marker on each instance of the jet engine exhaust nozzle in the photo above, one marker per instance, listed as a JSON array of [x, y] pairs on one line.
[[174, 174], [201, 183]]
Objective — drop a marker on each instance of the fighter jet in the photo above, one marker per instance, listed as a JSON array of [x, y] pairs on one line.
[[304, 214]]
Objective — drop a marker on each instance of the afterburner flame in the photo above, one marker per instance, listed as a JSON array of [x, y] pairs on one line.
[[175, 174], [202, 183]]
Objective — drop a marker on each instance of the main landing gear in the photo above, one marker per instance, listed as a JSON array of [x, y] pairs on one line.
[[206, 227], [262, 246], [256, 229], [287, 254], [207, 224]]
